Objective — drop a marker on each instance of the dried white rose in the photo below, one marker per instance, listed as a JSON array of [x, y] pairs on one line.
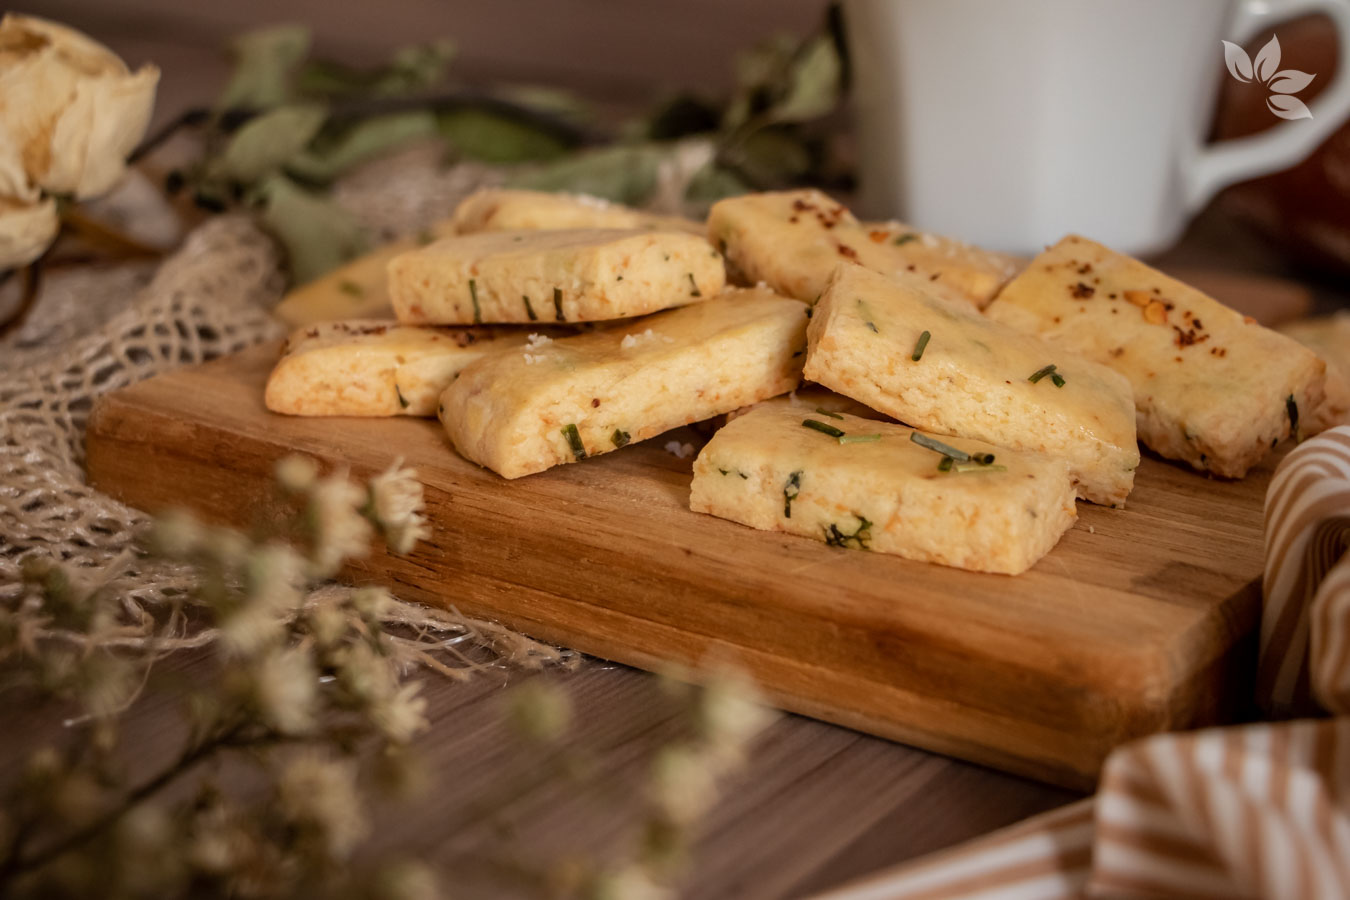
[[70, 109], [26, 230]]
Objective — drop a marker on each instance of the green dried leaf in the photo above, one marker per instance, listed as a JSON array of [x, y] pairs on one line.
[[541, 98], [770, 157], [265, 64], [318, 234], [622, 174], [767, 62], [419, 66], [266, 143], [492, 138], [410, 70], [363, 141], [712, 183], [813, 86], [762, 74]]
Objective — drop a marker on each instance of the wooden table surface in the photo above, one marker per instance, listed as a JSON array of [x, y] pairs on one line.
[[817, 805]]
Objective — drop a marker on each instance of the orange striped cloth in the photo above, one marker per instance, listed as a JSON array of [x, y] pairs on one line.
[[1256, 811]]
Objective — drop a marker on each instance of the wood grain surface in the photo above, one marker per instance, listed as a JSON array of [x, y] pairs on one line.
[[815, 806], [1137, 622]]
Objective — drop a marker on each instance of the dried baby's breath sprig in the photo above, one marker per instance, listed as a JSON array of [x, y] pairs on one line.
[[338, 529], [539, 710], [306, 684], [719, 718], [319, 799], [396, 508]]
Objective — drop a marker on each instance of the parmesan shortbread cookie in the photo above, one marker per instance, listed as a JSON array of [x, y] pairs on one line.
[[943, 367], [522, 412], [1329, 338], [373, 368], [793, 240], [357, 290], [502, 209], [864, 484], [552, 276], [1211, 386]]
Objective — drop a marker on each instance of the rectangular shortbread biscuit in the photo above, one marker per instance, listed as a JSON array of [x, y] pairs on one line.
[[358, 289], [793, 240], [1329, 338], [373, 368], [973, 377], [552, 276], [523, 412], [1211, 386], [767, 470], [504, 209]]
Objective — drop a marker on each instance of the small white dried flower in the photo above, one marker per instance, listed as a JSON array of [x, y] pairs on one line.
[[297, 473], [371, 603], [683, 784], [628, 883], [319, 795], [729, 715], [679, 450], [540, 710], [106, 684], [226, 547], [396, 503], [401, 716], [146, 850], [340, 531], [214, 850], [249, 629], [285, 690], [366, 676], [275, 574], [327, 624], [176, 534], [643, 337], [406, 880]]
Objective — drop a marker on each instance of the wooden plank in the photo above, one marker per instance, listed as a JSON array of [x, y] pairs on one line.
[[1138, 622]]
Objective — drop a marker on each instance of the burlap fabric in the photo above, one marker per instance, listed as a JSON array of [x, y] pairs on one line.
[[100, 327]]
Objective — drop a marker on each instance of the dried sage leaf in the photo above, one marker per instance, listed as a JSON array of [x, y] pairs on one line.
[[266, 60], [492, 138], [318, 234], [365, 140], [266, 143], [622, 174], [813, 83]]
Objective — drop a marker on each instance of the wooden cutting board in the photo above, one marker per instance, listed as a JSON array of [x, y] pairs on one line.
[[1139, 621]]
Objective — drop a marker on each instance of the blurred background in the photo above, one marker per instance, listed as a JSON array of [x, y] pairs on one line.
[[615, 52], [625, 57]]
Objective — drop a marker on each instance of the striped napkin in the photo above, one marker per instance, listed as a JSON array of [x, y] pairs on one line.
[[1255, 811]]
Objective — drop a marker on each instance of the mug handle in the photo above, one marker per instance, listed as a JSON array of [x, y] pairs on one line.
[[1285, 145]]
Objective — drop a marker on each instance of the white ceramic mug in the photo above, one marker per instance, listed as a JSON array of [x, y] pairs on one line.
[[1010, 123]]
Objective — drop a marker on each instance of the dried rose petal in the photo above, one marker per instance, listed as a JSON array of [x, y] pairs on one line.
[[26, 230], [69, 106]]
